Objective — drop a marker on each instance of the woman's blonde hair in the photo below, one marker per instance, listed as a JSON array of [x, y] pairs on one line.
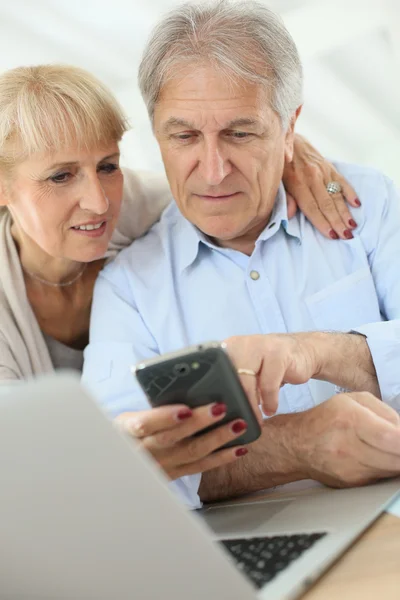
[[46, 107]]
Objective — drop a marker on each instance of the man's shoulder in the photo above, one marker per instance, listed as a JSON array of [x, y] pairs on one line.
[[149, 250], [374, 189], [367, 179], [360, 173], [380, 206]]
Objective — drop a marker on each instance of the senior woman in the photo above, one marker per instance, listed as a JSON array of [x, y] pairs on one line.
[[61, 189]]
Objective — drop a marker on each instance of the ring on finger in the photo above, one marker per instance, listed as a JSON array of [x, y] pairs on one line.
[[247, 372], [333, 187]]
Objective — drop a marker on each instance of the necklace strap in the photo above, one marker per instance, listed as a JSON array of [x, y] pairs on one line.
[[51, 283]]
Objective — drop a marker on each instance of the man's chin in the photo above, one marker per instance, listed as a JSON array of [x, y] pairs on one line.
[[221, 237]]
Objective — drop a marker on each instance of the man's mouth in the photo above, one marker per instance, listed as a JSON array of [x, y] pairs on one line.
[[215, 197]]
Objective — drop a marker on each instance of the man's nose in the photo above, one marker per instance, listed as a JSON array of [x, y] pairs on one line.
[[93, 197], [214, 165]]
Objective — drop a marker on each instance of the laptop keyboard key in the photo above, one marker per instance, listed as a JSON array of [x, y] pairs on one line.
[[261, 559]]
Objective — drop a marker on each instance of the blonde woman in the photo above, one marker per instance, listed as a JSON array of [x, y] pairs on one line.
[[61, 191]]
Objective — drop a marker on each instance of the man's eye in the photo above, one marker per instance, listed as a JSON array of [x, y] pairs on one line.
[[183, 136], [240, 135], [109, 167], [60, 177]]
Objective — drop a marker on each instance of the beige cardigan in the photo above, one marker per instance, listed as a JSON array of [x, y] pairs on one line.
[[23, 351]]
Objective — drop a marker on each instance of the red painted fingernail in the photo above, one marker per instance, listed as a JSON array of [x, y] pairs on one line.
[[239, 426], [183, 414], [347, 234], [352, 223], [241, 452], [333, 235], [218, 409], [357, 202]]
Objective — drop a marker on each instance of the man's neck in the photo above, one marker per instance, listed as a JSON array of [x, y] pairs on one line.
[[244, 243]]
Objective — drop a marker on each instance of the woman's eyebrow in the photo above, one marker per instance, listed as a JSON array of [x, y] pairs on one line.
[[71, 163]]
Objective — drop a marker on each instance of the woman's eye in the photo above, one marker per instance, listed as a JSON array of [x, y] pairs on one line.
[[60, 177], [109, 168]]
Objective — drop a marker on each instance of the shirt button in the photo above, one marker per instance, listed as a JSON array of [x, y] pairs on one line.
[[255, 275]]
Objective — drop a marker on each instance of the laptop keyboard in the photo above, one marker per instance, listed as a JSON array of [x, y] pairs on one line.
[[262, 558]]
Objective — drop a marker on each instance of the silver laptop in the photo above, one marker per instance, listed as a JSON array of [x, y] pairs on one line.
[[85, 514]]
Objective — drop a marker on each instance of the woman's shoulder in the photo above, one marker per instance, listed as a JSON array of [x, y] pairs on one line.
[[146, 195], [145, 186]]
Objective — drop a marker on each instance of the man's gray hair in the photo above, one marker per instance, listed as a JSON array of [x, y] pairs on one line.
[[245, 40]]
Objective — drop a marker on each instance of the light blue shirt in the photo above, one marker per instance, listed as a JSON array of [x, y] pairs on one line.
[[173, 288]]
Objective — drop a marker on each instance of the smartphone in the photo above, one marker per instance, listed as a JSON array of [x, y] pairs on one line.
[[196, 376]]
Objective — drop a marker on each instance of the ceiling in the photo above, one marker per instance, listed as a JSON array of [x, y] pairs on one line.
[[350, 50]]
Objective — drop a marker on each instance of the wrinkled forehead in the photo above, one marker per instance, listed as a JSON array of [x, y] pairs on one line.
[[207, 98]]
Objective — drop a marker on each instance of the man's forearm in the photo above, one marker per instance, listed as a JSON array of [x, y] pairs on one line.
[[340, 358], [345, 360], [271, 461]]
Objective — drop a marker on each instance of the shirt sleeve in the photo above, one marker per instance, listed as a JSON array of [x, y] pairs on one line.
[[383, 247], [383, 340], [119, 339]]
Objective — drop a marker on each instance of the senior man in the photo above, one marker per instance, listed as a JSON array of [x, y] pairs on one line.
[[223, 87]]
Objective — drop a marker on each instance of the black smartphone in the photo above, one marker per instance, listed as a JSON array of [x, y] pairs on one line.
[[196, 376]]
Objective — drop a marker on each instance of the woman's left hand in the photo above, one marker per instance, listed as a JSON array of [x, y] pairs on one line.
[[305, 180]]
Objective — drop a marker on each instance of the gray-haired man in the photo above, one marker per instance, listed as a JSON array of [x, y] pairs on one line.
[[223, 86]]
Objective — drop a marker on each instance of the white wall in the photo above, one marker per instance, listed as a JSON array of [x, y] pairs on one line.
[[350, 50]]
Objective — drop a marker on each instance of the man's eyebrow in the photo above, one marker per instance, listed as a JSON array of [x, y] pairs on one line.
[[243, 122], [177, 122]]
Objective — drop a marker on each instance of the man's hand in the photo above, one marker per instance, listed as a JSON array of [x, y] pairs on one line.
[[349, 440], [340, 358], [276, 359]]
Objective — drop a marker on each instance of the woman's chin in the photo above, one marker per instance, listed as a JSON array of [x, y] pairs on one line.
[[90, 255]]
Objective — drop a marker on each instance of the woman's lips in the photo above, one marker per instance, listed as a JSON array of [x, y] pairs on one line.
[[92, 233]]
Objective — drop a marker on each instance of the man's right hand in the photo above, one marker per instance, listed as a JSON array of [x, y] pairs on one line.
[[350, 440]]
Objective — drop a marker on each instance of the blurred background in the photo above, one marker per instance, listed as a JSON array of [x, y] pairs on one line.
[[350, 51]]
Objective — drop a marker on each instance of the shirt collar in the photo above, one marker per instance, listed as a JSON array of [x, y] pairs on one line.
[[190, 239], [279, 218]]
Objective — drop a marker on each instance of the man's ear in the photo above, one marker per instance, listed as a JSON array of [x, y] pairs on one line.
[[289, 136]]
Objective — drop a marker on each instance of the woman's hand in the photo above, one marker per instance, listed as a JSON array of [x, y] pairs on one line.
[[167, 433], [305, 180]]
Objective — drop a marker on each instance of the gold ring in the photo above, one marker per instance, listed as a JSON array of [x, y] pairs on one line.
[[247, 372]]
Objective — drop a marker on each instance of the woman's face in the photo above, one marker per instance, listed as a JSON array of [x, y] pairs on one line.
[[67, 203]]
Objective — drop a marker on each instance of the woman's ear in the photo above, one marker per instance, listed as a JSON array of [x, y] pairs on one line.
[[3, 192]]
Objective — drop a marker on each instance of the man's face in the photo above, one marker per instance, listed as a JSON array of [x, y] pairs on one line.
[[224, 150]]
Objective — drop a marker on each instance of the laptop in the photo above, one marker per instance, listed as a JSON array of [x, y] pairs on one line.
[[86, 514]]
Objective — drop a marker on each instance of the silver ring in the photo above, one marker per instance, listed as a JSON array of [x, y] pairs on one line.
[[247, 372], [333, 187]]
